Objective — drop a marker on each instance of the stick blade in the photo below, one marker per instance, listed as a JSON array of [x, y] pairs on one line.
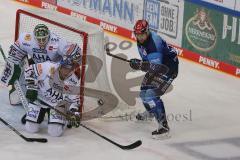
[[132, 146], [41, 140]]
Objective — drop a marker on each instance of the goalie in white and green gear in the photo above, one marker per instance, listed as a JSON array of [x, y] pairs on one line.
[[40, 45]]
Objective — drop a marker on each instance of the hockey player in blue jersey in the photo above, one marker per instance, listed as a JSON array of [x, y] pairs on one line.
[[153, 49]]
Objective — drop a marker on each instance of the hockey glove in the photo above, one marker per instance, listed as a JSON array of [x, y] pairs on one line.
[[75, 118], [31, 95], [135, 64], [31, 84]]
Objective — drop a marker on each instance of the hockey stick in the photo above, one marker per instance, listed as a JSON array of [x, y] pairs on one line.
[[145, 64], [106, 46], [19, 89], [41, 140], [127, 147], [21, 94], [1, 50], [109, 53]]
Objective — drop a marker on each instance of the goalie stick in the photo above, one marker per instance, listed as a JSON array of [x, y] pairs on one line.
[[21, 94], [41, 140]]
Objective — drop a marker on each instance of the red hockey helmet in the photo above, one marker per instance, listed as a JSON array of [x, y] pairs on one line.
[[141, 26]]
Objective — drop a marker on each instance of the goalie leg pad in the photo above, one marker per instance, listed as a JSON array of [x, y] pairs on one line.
[[13, 96], [55, 130]]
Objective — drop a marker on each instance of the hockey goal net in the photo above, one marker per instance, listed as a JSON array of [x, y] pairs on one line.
[[89, 36]]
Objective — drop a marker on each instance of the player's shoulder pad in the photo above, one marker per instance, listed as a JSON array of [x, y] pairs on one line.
[[25, 39], [158, 41], [156, 38], [54, 38]]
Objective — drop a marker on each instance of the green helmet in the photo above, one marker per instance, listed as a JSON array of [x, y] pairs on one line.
[[41, 33]]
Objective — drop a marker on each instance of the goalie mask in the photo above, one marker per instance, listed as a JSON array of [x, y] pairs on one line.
[[42, 34]]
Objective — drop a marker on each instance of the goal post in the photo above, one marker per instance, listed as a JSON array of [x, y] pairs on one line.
[[90, 38]]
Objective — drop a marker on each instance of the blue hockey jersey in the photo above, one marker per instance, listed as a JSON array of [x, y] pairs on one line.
[[156, 50]]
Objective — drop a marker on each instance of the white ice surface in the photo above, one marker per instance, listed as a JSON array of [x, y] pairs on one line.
[[213, 132]]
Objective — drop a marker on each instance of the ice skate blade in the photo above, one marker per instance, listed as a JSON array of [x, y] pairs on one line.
[[161, 136]]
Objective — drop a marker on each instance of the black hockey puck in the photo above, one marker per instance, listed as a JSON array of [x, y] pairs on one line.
[[100, 102]]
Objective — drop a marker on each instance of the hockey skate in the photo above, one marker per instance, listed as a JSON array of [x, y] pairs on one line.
[[145, 116], [162, 132]]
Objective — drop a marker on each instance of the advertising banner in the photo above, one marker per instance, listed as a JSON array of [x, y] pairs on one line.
[[54, 2], [206, 36], [166, 18], [230, 4], [237, 6], [212, 34], [118, 12]]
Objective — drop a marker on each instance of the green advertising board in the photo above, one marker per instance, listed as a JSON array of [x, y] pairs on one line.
[[211, 33]]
